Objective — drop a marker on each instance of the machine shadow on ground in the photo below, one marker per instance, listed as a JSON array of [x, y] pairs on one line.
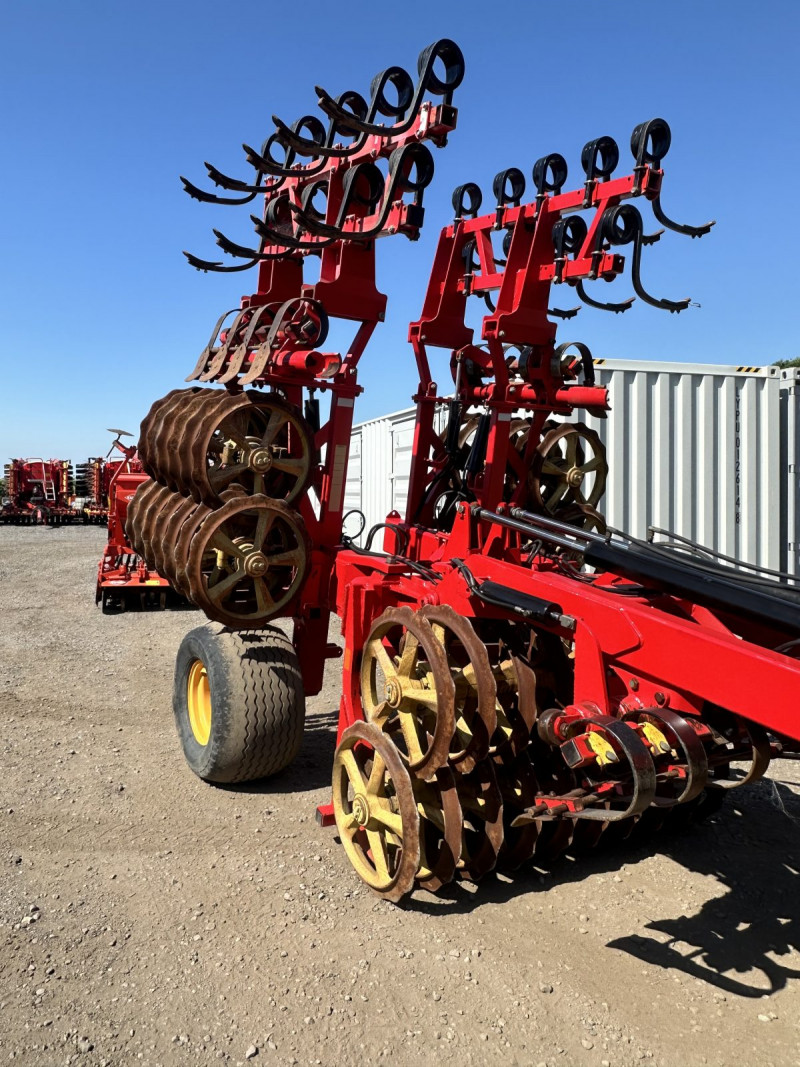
[[733, 942]]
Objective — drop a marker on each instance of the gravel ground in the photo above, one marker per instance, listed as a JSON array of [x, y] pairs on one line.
[[146, 917]]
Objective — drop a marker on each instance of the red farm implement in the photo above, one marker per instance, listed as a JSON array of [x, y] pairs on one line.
[[38, 491], [92, 483], [518, 679], [124, 579]]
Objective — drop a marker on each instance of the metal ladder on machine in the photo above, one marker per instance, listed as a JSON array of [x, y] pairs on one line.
[[48, 488]]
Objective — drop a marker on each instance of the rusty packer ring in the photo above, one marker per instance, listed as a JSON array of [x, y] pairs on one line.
[[256, 441], [482, 807], [135, 514], [560, 467], [407, 689], [475, 688], [176, 435], [246, 561]]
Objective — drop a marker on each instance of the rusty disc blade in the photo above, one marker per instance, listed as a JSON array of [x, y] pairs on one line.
[[475, 688], [482, 807], [440, 829], [519, 789]]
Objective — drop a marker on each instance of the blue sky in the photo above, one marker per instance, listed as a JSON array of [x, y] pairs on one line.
[[105, 104]]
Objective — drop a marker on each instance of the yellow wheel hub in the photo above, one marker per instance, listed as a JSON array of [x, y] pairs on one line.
[[198, 699]]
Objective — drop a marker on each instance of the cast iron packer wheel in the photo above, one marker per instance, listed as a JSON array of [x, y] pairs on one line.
[[239, 703]]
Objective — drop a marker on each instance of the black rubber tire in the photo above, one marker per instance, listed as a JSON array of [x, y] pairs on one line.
[[257, 703], [112, 604]]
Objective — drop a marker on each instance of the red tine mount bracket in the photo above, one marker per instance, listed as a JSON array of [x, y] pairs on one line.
[[330, 192]]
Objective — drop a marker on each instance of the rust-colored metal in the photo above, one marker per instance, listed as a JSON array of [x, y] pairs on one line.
[[407, 688], [482, 806], [519, 789], [475, 687], [441, 828], [260, 559], [560, 467], [258, 442]]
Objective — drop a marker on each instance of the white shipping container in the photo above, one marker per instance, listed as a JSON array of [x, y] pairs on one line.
[[695, 449], [711, 453], [790, 464]]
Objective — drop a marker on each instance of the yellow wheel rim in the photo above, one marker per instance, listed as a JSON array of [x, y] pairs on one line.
[[198, 699]]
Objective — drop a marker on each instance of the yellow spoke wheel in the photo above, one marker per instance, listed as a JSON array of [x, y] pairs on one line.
[[376, 813], [407, 689]]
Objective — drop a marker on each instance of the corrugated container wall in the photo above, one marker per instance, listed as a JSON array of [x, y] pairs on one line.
[[695, 449], [790, 463], [711, 453]]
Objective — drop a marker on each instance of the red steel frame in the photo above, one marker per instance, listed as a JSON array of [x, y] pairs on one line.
[[347, 290], [23, 474], [630, 653]]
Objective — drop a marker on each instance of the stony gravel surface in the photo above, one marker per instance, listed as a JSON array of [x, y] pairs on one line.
[[146, 917]]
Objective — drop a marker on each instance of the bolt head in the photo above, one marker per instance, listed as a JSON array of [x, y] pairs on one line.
[[260, 460], [394, 693], [361, 809], [256, 565]]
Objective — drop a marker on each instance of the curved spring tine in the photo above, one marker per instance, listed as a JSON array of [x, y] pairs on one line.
[[623, 225], [584, 354], [219, 357], [207, 265], [243, 252], [238, 357], [409, 98], [397, 182], [642, 769], [601, 306], [288, 240], [641, 292], [211, 198], [262, 355], [238, 186], [305, 146], [689, 231], [761, 754], [694, 754], [401, 80], [261, 162], [315, 226], [312, 223]]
